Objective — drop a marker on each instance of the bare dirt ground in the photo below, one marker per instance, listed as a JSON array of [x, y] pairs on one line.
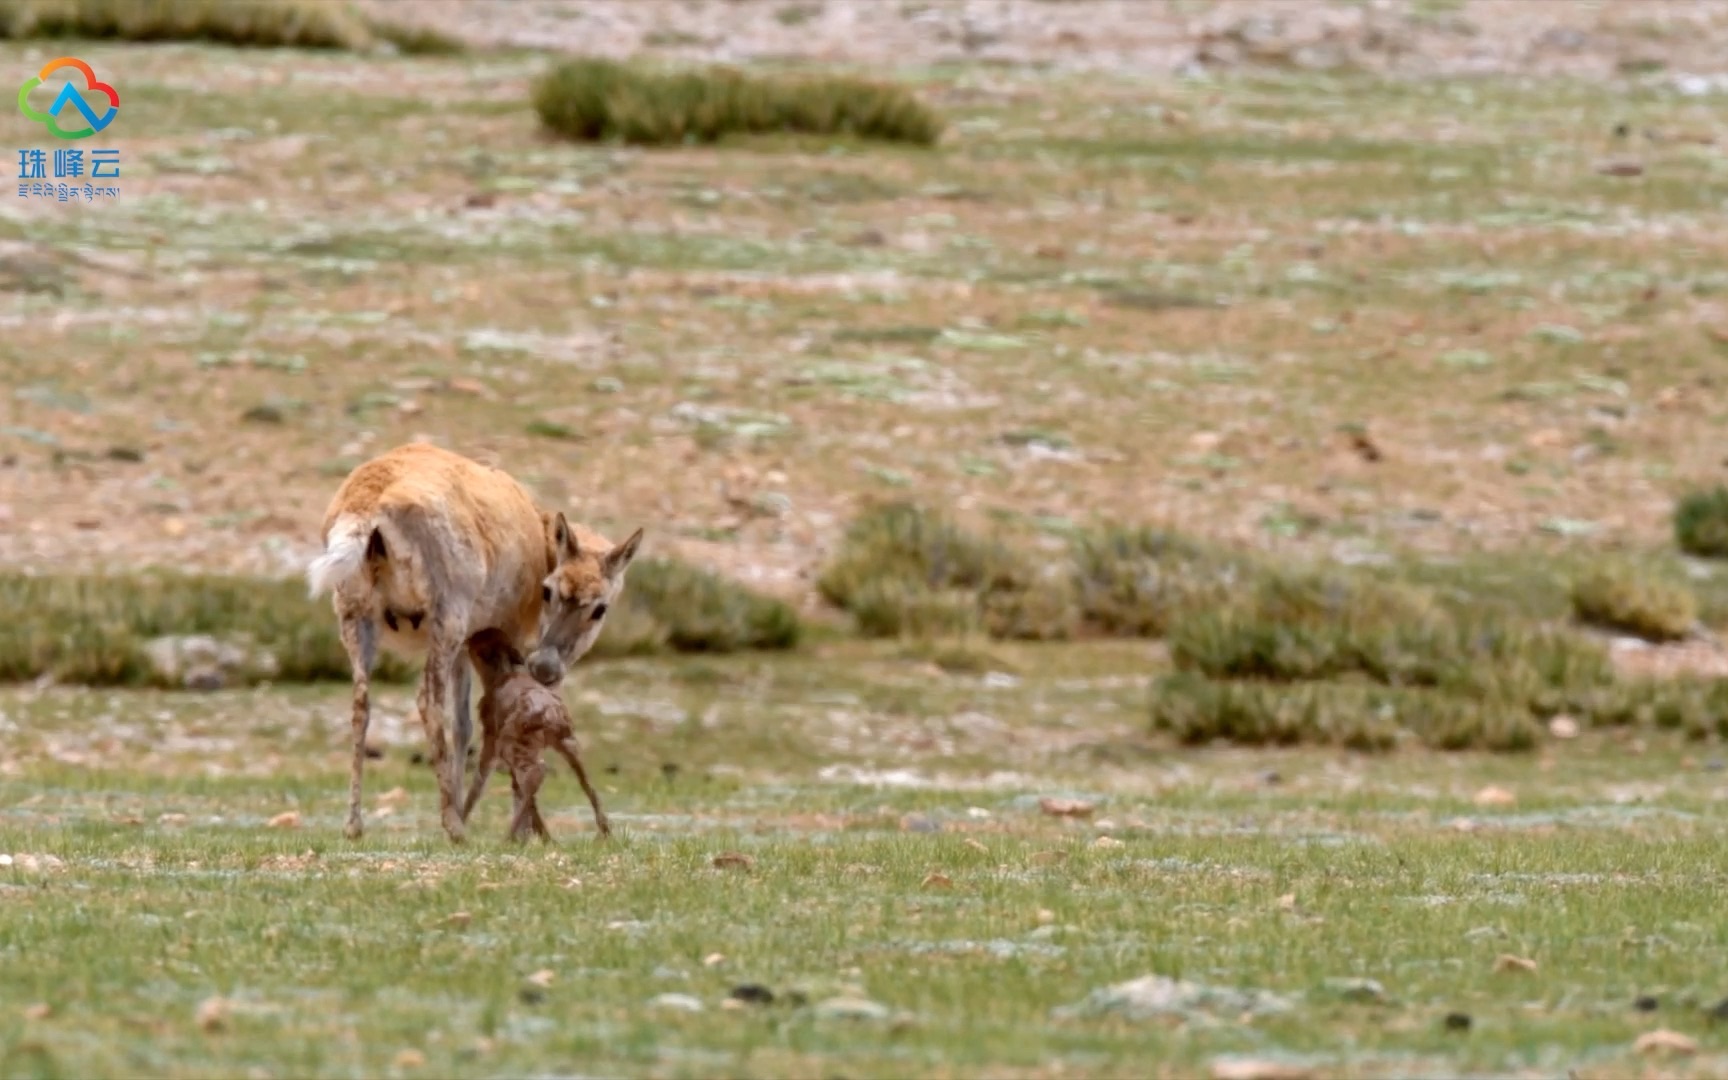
[[1147, 38]]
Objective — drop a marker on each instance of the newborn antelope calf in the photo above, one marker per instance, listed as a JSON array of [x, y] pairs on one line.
[[519, 719]]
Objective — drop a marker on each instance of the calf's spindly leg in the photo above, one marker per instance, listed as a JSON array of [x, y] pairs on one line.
[[530, 779], [567, 750], [488, 758]]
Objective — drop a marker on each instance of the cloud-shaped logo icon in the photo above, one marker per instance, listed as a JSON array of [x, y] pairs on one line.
[[69, 97]]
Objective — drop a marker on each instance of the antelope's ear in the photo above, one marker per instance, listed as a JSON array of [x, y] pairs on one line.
[[564, 540], [618, 559]]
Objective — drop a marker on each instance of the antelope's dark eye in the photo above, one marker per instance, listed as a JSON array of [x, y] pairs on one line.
[[599, 612], [546, 593]]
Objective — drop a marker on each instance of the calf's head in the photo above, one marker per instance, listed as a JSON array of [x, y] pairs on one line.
[[575, 597]]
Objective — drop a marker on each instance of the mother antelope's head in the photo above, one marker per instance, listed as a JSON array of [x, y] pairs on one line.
[[575, 597]]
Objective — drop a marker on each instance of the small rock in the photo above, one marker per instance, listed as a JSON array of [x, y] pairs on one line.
[[458, 919], [542, 978], [728, 860], [1107, 842], [1045, 917], [919, 823], [1663, 1041], [1154, 996], [976, 845], [1563, 727], [713, 959], [938, 881], [531, 995], [677, 1002], [1066, 807], [288, 819], [171, 819], [1495, 796], [39, 1011], [1047, 858], [1457, 1021], [850, 1008], [1255, 1069], [753, 994], [1621, 168], [1645, 1003], [212, 1014], [1360, 990], [410, 1059], [1506, 962]]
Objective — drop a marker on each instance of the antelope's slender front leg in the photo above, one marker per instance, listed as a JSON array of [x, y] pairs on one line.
[[359, 636], [461, 690], [443, 653]]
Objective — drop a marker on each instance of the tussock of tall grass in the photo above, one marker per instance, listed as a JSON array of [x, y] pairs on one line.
[[907, 571], [688, 609], [94, 629], [595, 99], [1701, 523], [1135, 582], [1353, 715], [305, 24], [1624, 599]]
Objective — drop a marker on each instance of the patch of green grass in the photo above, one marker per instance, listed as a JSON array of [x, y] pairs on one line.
[[1621, 598], [171, 932], [1701, 523], [269, 23], [596, 99]]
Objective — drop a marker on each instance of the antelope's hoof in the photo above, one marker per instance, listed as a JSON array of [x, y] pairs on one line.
[[453, 825], [353, 829]]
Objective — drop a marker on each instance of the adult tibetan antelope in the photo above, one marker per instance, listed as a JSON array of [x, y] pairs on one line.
[[423, 549]]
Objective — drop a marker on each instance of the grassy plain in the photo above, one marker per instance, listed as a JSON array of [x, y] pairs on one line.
[[849, 779], [1412, 326]]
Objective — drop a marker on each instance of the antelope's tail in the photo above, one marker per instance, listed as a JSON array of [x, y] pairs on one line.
[[344, 555]]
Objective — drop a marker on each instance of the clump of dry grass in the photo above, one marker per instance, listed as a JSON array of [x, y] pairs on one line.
[[94, 629], [690, 609], [1355, 716], [906, 570], [594, 99], [305, 24], [1622, 598], [1136, 581], [1701, 523]]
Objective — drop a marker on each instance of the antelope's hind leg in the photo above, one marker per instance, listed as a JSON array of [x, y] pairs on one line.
[[359, 634]]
